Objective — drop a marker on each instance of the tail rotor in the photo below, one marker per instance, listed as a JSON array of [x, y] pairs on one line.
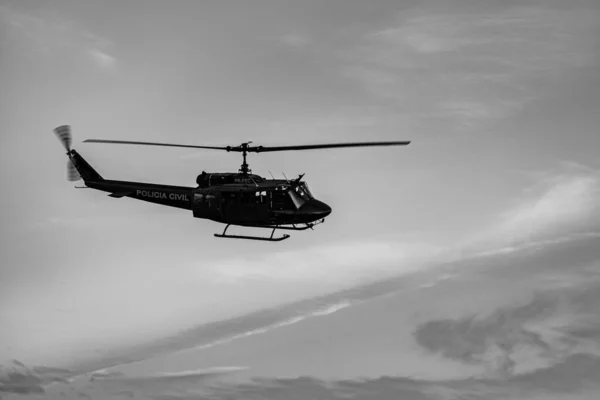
[[63, 133], [72, 173]]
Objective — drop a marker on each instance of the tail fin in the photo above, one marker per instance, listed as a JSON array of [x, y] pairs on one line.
[[77, 167]]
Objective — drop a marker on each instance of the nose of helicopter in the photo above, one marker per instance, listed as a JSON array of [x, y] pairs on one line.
[[316, 209], [325, 210]]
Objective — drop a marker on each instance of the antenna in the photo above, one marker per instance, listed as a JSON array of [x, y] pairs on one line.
[[252, 179]]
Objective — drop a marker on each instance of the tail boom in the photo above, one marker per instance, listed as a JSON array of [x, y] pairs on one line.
[[166, 195], [79, 168]]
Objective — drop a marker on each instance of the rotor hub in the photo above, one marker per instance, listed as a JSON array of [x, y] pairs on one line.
[[244, 170]]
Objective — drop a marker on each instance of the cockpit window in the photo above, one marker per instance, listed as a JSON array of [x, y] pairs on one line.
[[299, 194], [297, 198], [304, 188], [302, 192]]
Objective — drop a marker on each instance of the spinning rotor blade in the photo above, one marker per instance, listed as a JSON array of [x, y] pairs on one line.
[[261, 149], [72, 173], [153, 144], [63, 133], [244, 147]]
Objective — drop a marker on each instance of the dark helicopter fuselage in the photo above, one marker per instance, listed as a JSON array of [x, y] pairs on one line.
[[229, 198], [273, 202]]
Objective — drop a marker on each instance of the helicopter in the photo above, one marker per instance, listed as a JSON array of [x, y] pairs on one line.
[[241, 199]]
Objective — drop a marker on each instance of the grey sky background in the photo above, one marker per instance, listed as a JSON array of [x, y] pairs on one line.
[[500, 100]]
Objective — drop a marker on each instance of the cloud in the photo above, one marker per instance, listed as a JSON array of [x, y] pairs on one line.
[[343, 263], [573, 376], [433, 33], [550, 343], [560, 206], [16, 377], [295, 40], [521, 339], [532, 347], [163, 377], [19, 379], [49, 34], [563, 202], [471, 68], [103, 60], [577, 376], [266, 319]]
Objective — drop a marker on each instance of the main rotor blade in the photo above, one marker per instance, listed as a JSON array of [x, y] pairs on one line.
[[256, 149], [153, 144], [260, 149]]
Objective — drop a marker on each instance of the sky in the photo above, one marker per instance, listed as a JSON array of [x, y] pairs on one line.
[[499, 99]]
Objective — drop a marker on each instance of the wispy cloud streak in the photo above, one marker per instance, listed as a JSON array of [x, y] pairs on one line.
[[474, 67], [344, 263], [52, 35], [562, 204]]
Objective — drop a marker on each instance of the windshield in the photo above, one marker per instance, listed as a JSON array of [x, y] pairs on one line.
[[300, 194], [298, 199], [304, 187]]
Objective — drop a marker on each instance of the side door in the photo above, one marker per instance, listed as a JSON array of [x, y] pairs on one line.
[[262, 206], [207, 204], [246, 207]]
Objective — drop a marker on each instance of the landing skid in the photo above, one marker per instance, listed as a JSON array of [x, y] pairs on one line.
[[266, 239], [293, 227]]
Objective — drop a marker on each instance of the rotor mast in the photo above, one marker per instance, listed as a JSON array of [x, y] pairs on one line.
[[244, 170]]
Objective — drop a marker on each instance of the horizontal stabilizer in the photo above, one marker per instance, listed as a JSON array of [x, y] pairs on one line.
[[118, 195]]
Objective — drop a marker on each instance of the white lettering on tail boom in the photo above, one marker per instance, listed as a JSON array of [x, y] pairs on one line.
[[162, 195]]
